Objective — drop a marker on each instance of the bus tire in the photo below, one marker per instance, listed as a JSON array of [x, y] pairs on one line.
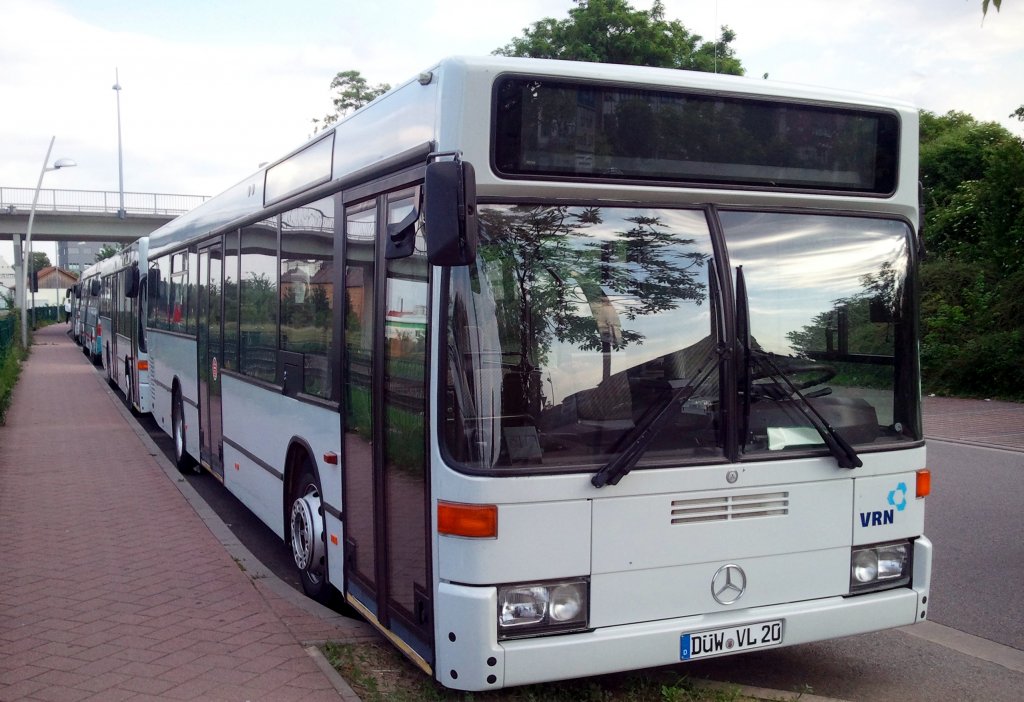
[[307, 533], [182, 460], [129, 390]]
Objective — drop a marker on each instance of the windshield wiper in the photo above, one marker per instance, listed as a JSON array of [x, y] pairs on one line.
[[645, 432], [844, 454]]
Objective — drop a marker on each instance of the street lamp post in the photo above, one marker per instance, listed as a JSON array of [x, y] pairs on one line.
[[58, 164], [121, 214]]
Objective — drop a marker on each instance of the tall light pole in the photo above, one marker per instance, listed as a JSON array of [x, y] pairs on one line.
[[58, 164], [121, 214]]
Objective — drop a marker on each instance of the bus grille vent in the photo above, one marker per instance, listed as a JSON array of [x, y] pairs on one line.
[[723, 509]]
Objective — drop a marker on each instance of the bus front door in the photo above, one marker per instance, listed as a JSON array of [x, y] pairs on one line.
[[210, 358], [385, 381]]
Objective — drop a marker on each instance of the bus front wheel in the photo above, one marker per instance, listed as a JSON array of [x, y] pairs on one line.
[[306, 524]]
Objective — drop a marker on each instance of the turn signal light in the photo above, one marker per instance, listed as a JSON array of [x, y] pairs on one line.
[[143, 365], [924, 483], [470, 521]]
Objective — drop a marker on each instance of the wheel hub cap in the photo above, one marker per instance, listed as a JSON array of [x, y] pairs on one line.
[[307, 533]]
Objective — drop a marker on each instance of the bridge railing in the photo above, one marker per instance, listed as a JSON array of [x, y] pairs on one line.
[[13, 200]]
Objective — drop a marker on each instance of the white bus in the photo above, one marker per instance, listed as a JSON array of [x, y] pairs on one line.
[[88, 328], [123, 309], [558, 369], [77, 311]]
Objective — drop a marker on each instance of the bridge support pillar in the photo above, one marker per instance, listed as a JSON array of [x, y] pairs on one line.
[[19, 272]]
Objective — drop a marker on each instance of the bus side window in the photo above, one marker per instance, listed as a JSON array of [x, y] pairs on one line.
[[257, 291], [178, 288], [307, 292]]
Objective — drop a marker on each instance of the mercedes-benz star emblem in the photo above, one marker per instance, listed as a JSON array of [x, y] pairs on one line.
[[728, 584]]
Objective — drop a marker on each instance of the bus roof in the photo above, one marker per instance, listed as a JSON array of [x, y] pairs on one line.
[[404, 125]]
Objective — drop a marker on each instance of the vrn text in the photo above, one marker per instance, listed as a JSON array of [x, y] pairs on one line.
[[876, 518]]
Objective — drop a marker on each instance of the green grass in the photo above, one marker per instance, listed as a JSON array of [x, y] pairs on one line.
[[10, 368], [379, 673]]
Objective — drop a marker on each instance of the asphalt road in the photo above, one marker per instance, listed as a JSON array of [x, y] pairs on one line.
[[974, 520]]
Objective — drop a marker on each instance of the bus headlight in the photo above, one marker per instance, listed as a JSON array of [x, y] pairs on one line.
[[534, 609], [879, 567]]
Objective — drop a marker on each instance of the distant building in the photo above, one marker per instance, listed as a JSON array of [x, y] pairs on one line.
[[7, 281], [53, 284], [76, 256]]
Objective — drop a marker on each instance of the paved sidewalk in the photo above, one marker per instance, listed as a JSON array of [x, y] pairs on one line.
[[983, 422], [112, 585]]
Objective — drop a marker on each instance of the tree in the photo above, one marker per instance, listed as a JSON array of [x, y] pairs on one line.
[[973, 175], [39, 261], [612, 31], [107, 251], [985, 4], [973, 280], [351, 91]]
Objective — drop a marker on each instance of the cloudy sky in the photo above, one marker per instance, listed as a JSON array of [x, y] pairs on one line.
[[212, 88]]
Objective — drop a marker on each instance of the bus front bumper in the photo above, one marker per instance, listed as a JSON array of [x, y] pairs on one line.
[[469, 656]]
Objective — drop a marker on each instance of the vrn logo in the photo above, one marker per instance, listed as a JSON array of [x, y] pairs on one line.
[[897, 498]]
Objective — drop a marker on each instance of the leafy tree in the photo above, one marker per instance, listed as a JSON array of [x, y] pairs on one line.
[[108, 251], [612, 31], [351, 91], [973, 175], [39, 261], [986, 3], [973, 281]]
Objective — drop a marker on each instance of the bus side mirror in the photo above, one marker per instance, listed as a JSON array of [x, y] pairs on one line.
[[449, 213], [78, 291], [153, 284], [131, 283], [94, 288], [401, 240]]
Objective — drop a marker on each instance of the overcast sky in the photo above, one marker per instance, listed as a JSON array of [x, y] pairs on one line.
[[212, 88]]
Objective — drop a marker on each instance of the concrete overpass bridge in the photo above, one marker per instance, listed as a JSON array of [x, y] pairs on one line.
[[83, 215], [88, 215]]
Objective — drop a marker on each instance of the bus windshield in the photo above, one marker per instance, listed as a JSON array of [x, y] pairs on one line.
[[577, 325]]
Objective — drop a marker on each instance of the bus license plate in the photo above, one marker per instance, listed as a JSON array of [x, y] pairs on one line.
[[730, 640]]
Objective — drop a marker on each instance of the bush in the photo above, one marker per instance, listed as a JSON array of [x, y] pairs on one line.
[[10, 367], [11, 356], [987, 365]]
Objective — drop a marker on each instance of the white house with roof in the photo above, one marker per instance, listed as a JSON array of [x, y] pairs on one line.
[[7, 279]]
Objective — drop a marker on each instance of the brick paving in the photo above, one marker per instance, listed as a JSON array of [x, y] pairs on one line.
[[983, 422], [112, 586], [115, 584]]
